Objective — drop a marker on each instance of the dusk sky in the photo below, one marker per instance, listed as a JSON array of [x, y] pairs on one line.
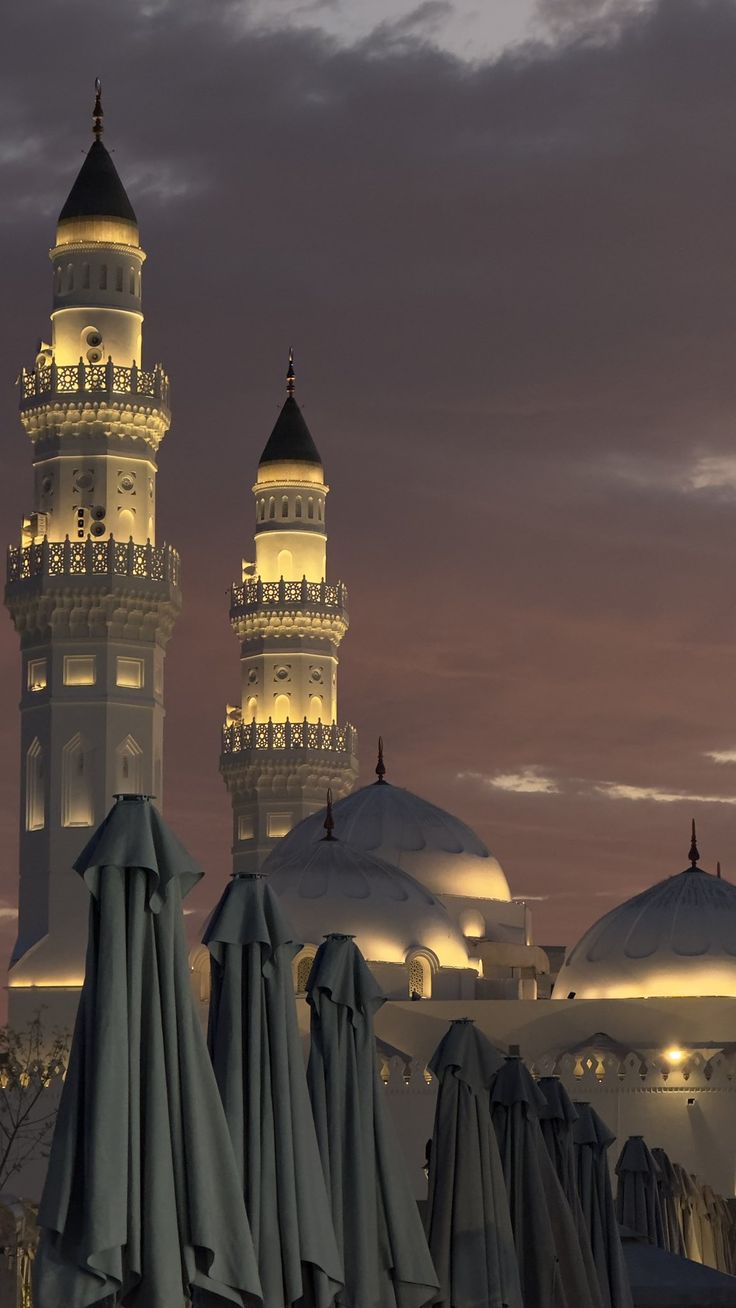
[[501, 237]]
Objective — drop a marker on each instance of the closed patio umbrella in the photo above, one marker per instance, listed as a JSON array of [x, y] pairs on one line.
[[468, 1221], [592, 1142], [379, 1232], [553, 1274], [637, 1197], [142, 1200], [556, 1121], [257, 1056], [669, 1199], [691, 1231]]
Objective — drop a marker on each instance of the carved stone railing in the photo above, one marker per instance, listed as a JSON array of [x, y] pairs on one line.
[[87, 379], [242, 736], [93, 559], [254, 594]]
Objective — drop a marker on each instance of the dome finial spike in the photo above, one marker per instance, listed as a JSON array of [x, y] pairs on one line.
[[98, 112], [380, 765], [718, 869], [329, 823], [694, 855], [290, 375]]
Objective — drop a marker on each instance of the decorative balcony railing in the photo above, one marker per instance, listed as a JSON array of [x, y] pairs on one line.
[[92, 379], [93, 558], [289, 735], [254, 593]]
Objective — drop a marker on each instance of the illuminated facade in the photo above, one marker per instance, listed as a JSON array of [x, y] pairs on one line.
[[282, 745], [92, 596]]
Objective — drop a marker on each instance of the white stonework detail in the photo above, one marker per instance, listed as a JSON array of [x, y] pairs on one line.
[[92, 596]]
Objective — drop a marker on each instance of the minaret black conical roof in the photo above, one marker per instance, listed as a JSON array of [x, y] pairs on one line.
[[291, 437], [98, 191]]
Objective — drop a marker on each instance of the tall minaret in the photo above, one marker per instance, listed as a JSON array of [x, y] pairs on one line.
[[92, 596], [282, 748]]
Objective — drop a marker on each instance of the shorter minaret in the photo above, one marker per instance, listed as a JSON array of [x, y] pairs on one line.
[[282, 746]]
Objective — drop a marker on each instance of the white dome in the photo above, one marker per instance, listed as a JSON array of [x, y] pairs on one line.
[[676, 939], [327, 886], [439, 850]]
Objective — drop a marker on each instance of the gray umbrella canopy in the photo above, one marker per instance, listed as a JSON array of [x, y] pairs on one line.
[[553, 1274], [669, 1201], [142, 1198], [468, 1221], [257, 1056], [689, 1215], [556, 1121], [637, 1197], [379, 1232], [592, 1141]]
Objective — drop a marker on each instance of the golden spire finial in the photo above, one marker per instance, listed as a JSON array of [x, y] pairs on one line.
[[98, 112], [380, 765], [718, 869], [290, 375], [694, 855], [329, 823]]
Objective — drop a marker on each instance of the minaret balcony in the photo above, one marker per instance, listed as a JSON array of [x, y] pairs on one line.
[[299, 737], [296, 608], [81, 383], [48, 564]]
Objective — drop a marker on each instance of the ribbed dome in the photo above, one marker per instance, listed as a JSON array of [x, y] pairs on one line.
[[325, 886], [439, 850], [676, 939]]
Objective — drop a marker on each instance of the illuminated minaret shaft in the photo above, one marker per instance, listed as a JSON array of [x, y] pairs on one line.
[[92, 596], [283, 746]]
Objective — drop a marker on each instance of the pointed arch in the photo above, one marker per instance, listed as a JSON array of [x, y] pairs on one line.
[[77, 805], [129, 767], [35, 797]]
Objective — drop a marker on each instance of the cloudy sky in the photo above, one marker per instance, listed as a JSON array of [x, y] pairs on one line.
[[500, 236]]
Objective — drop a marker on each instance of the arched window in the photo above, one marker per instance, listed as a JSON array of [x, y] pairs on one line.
[[126, 523], [280, 708], [319, 509], [103, 277], [310, 507], [35, 806], [284, 564], [199, 969], [284, 506], [118, 278], [420, 977], [59, 275], [298, 507], [131, 282], [77, 807], [85, 276], [315, 708], [272, 507], [251, 709], [262, 509], [129, 767], [70, 277], [303, 968]]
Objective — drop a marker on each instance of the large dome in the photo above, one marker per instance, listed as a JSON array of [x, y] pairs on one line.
[[439, 850], [676, 939], [327, 886]]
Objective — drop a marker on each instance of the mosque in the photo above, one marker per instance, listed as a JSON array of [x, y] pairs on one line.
[[640, 1015]]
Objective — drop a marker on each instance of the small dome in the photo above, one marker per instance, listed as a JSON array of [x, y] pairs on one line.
[[676, 939], [326, 886], [435, 848]]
